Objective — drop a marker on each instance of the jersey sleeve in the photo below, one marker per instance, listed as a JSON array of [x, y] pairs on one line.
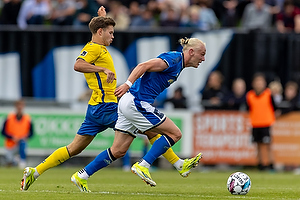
[[165, 58], [171, 59], [90, 53]]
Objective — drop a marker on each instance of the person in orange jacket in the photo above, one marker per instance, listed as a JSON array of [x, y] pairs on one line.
[[262, 116], [17, 128]]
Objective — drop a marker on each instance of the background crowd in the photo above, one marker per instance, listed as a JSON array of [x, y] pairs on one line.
[[281, 15], [217, 96]]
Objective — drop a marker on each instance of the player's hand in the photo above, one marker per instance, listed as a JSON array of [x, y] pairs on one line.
[[121, 90], [101, 12], [110, 76]]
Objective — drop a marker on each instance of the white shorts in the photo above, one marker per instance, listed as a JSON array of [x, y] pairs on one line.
[[134, 115]]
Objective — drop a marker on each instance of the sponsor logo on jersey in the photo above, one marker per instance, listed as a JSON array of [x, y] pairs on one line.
[[171, 81], [84, 53]]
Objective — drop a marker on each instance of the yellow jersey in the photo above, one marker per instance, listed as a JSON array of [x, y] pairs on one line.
[[98, 55]]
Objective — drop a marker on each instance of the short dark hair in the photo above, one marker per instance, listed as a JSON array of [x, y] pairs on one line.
[[259, 74], [100, 22]]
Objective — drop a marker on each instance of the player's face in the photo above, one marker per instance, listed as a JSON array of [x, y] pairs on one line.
[[107, 35], [198, 56]]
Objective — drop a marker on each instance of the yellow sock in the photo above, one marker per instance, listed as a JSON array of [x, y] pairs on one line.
[[169, 154], [57, 157]]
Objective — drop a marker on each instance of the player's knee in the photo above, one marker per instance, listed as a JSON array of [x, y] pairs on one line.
[[74, 150], [118, 153], [176, 135]]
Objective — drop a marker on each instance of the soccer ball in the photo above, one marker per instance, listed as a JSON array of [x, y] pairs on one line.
[[238, 183]]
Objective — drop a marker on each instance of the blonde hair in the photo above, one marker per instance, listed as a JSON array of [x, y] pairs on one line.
[[276, 85], [188, 43]]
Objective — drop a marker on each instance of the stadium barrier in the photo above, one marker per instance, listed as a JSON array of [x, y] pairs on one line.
[[224, 137], [56, 128]]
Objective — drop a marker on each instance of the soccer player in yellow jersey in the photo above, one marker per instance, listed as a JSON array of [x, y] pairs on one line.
[[97, 65]]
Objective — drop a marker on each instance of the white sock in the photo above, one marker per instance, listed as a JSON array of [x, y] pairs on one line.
[[144, 163], [35, 174], [82, 174], [178, 164]]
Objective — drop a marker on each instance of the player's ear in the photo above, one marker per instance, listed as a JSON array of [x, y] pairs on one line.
[[191, 52], [100, 30]]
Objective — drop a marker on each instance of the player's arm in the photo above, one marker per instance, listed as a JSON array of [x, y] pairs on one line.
[[153, 65], [4, 133], [85, 67]]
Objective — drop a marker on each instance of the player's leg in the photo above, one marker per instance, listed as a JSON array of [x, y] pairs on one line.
[[62, 154], [59, 156], [10, 156], [183, 166], [22, 153], [91, 126], [169, 155], [126, 161], [270, 157], [257, 139], [267, 140], [118, 149], [171, 134], [259, 156]]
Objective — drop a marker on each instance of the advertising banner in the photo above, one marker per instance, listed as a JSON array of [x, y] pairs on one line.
[[224, 137], [286, 139], [53, 130]]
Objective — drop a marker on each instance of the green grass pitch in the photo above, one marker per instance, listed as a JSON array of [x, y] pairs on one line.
[[113, 183]]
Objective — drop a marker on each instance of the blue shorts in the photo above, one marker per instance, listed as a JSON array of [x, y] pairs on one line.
[[98, 118]]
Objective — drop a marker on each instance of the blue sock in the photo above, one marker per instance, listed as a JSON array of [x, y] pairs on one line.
[[159, 147], [102, 160]]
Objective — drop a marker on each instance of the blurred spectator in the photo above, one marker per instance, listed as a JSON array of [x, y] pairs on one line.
[[62, 12], [103, 3], [289, 19], [17, 128], [290, 99], [262, 116], [120, 14], [178, 5], [214, 91], [170, 18], [153, 6], [134, 10], [230, 15], [191, 18], [145, 20], [276, 7], [257, 15], [208, 19], [200, 16], [33, 12], [229, 12], [10, 11], [236, 98], [85, 10], [178, 100], [276, 90]]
